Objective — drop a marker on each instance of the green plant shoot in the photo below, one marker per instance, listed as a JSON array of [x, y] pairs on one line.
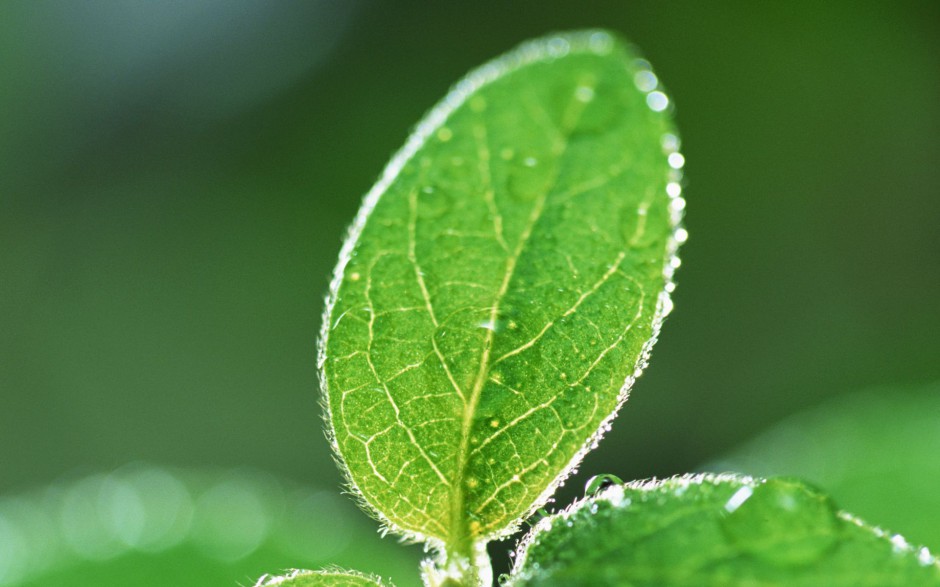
[[501, 289], [498, 294]]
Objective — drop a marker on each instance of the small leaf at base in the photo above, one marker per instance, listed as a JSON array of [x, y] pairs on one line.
[[324, 578]]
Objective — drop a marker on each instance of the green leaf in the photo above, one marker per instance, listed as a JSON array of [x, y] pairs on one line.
[[501, 288], [715, 530], [325, 578], [875, 451]]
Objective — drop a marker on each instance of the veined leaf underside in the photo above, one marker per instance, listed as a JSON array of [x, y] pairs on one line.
[[501, 283]]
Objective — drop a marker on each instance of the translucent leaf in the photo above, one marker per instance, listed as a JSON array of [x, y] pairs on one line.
[[325, 578], [501, 288], [716, 530]]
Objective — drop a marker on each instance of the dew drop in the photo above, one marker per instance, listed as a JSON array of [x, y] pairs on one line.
[[584, 94], [472, 482], [924, 557], [676, 160], [444, 134], [525, 182], [740, 496], [645, 80], [673, 189], [598, 483], [670, 142], [494, 423], [494, 325], [601, 112], [558, 47], [657, 101], [503, 579], [355, 276], [681, 235], [438, 204], [782, 522], [601, 42]]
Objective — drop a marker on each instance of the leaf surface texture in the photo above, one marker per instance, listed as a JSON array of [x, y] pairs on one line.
[[716, 530], [501, 287]]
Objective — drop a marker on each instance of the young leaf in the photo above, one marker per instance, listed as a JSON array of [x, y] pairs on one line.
[[501, 287], [715, 530], [326, 578]]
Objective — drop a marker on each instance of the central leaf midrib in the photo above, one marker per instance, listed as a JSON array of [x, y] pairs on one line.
[[460, 542]]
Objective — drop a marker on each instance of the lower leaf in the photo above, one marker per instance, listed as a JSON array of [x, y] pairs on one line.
[[715, 530]]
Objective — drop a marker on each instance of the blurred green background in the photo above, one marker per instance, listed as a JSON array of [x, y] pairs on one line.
[[176, 178]]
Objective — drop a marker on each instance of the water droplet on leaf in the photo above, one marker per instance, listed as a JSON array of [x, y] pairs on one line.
[[527, 182], [676, 160], [433, 203], [584, 93], [782, 522], [657, 101], [645, 80], [558, 47], [598, 483]]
